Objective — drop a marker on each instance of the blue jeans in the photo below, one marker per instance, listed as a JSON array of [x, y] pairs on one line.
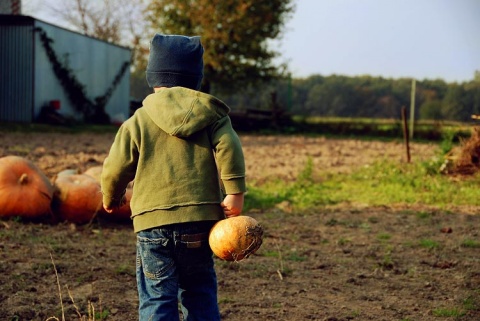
[[174, 265]]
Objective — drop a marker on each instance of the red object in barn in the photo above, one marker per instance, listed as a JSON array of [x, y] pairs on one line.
[[55, 104]]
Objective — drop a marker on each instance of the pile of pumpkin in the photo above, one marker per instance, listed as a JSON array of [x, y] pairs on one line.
[[25, 191]]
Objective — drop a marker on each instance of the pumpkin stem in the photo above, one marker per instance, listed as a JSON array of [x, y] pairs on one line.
[[256, 233], [23, 179]]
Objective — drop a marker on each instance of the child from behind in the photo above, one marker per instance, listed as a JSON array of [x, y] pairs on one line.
[[179, 148]]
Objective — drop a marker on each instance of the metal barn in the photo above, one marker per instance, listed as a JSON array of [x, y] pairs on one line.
[[45, 66]]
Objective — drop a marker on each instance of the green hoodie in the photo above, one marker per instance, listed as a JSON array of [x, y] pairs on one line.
[[175, 148]]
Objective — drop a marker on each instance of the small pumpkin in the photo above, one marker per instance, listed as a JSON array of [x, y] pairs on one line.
[[25, 191], [77, 198], [68, 172], [95, 172], [124, 212], [235, 238]]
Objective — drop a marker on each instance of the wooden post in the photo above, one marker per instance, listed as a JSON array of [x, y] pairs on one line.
[[405, 133], [412, 109]]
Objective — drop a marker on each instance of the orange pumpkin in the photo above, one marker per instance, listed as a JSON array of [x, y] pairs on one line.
[[95, 172], [24, 190], [77, 198], [235, 238], [124, 212]]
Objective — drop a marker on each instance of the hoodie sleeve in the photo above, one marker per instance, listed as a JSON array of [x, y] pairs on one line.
[[119, 167], [229, 156]]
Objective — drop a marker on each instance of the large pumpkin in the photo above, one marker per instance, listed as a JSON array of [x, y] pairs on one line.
[[235, 238], [78, 198], [24, 190]]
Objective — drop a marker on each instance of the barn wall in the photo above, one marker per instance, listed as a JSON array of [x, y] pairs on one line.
[[27, 79], [94, 63], [16, 71]]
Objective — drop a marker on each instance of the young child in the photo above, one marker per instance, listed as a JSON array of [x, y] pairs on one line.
[[179, 148]]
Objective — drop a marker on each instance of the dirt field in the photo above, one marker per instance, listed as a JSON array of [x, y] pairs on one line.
[[338, 263]]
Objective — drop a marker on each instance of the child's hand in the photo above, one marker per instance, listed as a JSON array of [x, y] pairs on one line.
[[232, 205], [107, 209], [110, 209]]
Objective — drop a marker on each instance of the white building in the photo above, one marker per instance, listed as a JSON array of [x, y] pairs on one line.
[[43, 65]]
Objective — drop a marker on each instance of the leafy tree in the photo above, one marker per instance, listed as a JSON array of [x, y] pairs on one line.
[[453, 105], [472, 93], [433, 89], [235, 34], [431, 110], [120, 22]]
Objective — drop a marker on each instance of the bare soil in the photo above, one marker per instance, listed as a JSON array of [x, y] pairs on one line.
[[339, 263]]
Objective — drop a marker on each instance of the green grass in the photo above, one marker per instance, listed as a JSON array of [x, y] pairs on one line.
[[471, 244], [429, 244], [383, 183], [384, 236], [302, 193], [445, 312]]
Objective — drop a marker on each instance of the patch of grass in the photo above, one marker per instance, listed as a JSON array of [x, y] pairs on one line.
[[379, 184], [273, 254], [125, 270], [343, 241], [384, 236], [365, 226], [423, 215], [448, 141], [429, 244], [448, 312], [387, 262], [470, 304], [102, 315], [373, 220], [471, 244], [41, 267], [303, 193], [295, 257], [391, 183], [331, 222]]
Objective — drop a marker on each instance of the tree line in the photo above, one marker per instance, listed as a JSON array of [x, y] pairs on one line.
[[364, 96]]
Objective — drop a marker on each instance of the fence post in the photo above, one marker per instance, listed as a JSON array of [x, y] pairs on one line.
[[405, 132], [412, 108]]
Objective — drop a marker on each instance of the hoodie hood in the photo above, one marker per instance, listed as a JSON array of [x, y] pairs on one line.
[[181, 112]]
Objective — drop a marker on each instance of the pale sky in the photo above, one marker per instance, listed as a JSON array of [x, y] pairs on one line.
[[390, 38], [422, 39]]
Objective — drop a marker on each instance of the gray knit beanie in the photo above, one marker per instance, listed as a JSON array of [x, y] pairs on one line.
[[175, 61]]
